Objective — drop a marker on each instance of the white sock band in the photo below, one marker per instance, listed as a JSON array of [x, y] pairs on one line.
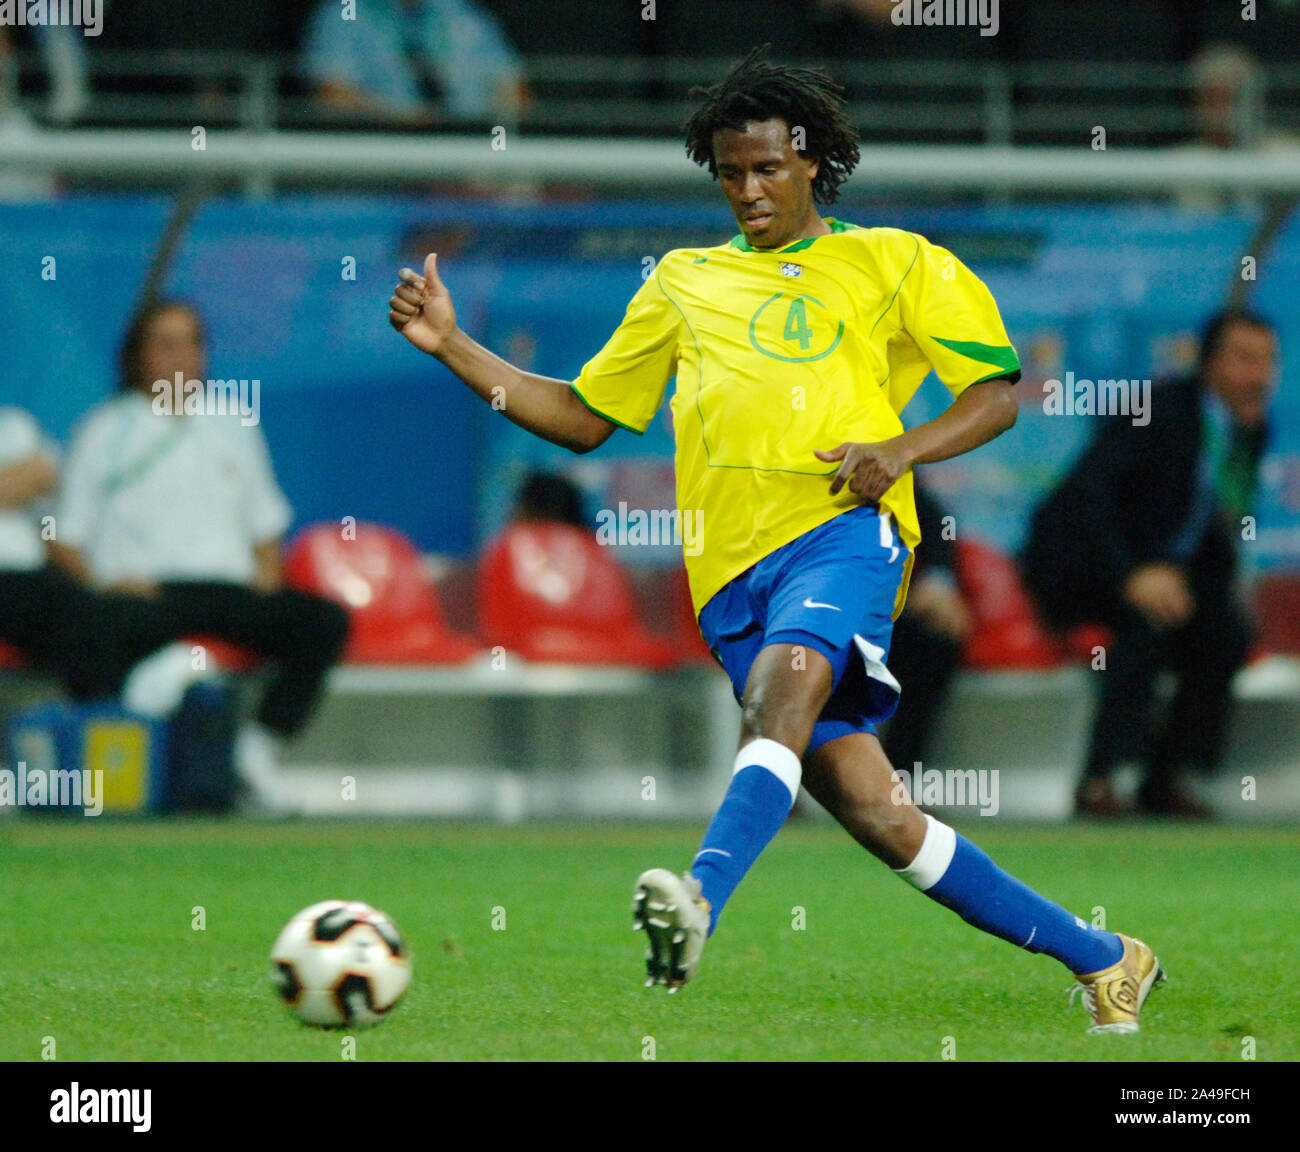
[[776, 758], [934, 857]]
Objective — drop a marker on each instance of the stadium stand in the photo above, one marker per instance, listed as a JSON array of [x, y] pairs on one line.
[[1043, 79], [1091, 286]]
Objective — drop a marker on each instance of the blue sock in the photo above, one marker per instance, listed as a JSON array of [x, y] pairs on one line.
[[951, 870], [758, 800]]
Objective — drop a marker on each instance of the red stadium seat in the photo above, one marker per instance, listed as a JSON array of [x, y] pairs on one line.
[[1005, 630], [691, 648], [549, 592], [225, 655], [1278, 598], [378, 577], [1081, 640]]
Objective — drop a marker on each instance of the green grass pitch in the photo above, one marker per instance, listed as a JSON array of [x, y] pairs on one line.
[[524, 948]]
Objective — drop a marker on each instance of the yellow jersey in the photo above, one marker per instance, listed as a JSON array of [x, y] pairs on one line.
[[780, 352]]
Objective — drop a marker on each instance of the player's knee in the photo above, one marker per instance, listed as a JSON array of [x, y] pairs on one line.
[[887, 824], [782, 702], [788, 721], [891, 813]]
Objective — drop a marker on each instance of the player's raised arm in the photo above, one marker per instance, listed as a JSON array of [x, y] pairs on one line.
[[421, 310]]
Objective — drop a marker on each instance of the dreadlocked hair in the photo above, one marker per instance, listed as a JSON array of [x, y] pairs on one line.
[[804, 98]]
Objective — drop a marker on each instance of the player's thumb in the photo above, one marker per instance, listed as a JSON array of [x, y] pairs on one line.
[[831, 454], [431, 268]]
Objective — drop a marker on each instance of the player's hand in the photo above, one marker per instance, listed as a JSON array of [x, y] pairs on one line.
[[420, 307], [870, 470], [1160, 592]]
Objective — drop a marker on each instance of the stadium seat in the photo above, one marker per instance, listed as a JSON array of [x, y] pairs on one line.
[[691, 648], [1081, 640], [549, 592], [1005, 630], [1278, 598], [227, 656], [378, 577]]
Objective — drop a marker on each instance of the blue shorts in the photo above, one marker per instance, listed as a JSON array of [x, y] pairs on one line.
[[833, 590]]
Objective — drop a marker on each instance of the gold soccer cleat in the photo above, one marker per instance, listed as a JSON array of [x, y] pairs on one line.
[[1115, 995]]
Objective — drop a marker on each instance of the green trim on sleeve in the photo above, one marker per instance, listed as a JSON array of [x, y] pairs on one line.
[[603, 415], [1002, 356], [1009, 377]]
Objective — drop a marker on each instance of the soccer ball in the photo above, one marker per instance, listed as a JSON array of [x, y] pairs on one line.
[[340, 963]]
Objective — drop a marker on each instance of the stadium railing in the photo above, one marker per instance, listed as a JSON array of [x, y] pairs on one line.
[[952, 101], [259, 160]]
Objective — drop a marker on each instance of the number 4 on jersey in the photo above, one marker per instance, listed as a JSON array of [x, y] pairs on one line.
[[796, 324]]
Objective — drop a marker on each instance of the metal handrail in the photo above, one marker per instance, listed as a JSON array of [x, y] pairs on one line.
[[418, 160], [917, 96]]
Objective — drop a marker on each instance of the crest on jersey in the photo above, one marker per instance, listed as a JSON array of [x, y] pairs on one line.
[[791, 269]]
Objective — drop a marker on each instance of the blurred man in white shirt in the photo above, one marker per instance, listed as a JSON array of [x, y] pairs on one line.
[[88, 640], [184, 509]]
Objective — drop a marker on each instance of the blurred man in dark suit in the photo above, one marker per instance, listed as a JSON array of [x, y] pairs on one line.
[[1142, 535]]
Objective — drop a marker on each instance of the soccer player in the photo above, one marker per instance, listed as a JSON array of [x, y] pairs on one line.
[[795, 346]]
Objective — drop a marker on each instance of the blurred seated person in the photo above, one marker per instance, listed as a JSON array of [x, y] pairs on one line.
[[184, 510], [16, 126], [89, 641], [414, 62], [61, 51], [1228, 110], [551, 497], [1141, 535], [1224, 78], [928, 638]]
